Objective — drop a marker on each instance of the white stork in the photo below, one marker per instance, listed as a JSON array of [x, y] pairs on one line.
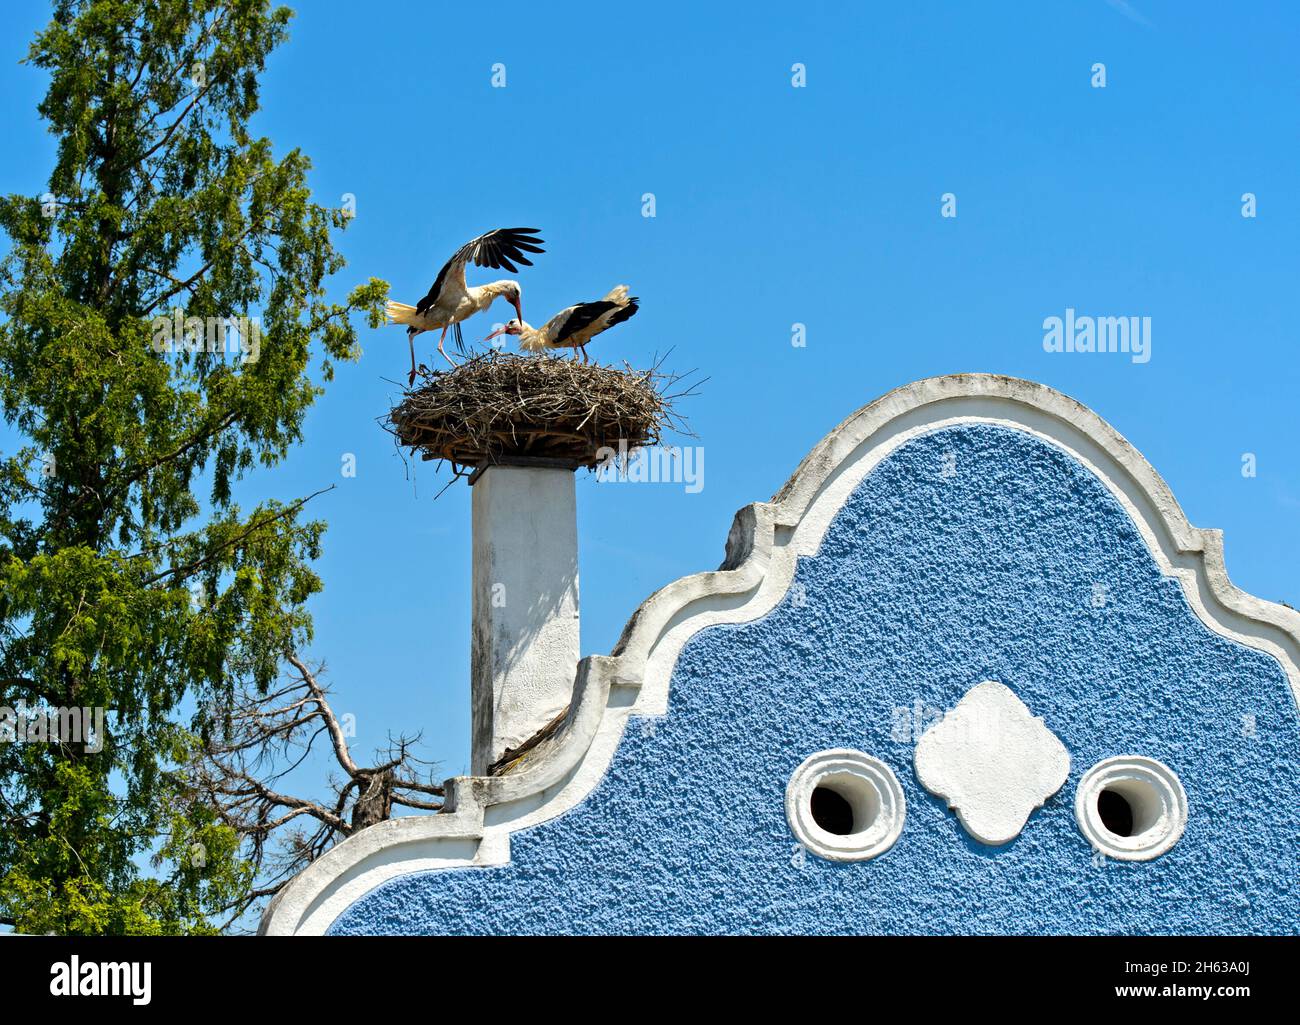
[[450, 300], [574, 326]]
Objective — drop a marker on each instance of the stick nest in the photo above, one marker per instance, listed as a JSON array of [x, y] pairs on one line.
[[500, 405]]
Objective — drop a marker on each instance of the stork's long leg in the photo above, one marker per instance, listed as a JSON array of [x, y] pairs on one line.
[[442, 350], [410, 380]]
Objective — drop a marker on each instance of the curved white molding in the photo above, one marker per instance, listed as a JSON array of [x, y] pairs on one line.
[[765, 542]]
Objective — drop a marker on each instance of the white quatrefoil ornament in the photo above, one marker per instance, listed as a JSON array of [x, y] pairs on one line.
[[993, 760]]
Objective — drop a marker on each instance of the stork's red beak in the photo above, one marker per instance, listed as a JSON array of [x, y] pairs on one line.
[[519, 309], [498, 331]]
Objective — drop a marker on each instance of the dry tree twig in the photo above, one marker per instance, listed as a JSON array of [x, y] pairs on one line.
[[260, 739]]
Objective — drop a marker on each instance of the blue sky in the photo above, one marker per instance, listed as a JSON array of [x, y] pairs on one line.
[[774, 206]]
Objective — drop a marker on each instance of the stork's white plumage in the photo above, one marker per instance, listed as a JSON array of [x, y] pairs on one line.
[[451, 300], [574, 326]]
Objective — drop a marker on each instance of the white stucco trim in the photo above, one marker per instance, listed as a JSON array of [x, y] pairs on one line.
[[764, 544]]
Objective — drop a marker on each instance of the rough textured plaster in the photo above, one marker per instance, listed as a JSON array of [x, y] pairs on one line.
[[924, 585]]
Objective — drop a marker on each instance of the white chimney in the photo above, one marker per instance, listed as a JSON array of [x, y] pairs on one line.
[[525, 631]]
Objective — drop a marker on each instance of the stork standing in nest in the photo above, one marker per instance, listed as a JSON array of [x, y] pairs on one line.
[[451, 300], [574, 326]]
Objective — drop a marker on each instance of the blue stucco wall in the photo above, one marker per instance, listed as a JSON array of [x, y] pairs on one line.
[[925, 585]]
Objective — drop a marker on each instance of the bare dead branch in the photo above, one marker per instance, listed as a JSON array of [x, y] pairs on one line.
[[260, 739]]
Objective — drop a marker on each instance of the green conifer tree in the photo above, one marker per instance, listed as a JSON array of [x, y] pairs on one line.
[[129, 578]]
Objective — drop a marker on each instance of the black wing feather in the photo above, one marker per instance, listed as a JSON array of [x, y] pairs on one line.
[[626, 313], [585, 313], [502, 248], [582, 316]]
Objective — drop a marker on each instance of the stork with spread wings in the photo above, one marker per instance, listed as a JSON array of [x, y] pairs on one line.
[[451, 300]]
